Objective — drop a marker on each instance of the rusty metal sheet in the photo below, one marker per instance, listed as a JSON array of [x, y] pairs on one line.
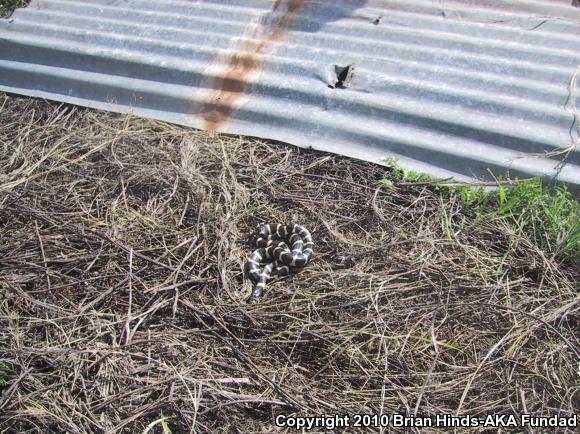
[[451, 88]]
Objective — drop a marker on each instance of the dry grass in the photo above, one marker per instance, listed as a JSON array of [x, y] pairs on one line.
[[122, 242]]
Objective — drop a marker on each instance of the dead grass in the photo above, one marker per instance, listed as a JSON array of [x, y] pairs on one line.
[[122, 242]]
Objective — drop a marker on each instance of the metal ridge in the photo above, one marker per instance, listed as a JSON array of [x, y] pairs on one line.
[[451, 88]]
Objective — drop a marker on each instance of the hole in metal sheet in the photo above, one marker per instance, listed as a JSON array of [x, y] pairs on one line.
[[344, 76]]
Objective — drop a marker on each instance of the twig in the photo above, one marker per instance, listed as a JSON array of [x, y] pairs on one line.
[[130, 284]]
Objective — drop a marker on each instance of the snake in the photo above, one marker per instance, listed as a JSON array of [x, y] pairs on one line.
[[274, 258]]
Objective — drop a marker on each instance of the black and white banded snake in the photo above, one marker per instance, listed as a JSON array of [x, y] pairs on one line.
[[275, 255]]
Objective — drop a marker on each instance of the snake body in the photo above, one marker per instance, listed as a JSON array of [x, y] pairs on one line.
[[275, 255]]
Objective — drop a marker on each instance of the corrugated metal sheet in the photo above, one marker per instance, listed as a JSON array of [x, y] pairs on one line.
[[452, 88]]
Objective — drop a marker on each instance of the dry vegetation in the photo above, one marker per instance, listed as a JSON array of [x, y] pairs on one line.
[[122, 300]]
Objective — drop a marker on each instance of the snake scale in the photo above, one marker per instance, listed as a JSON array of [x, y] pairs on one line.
[[274, 258]]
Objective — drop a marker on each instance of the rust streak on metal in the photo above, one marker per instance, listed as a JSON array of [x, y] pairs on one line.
[[230, 85]]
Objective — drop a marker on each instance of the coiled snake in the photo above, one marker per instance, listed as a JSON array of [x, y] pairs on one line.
[[274, 255]]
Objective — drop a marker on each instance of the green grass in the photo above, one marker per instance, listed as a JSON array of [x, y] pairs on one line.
[[8, 6], [2, 380], [162, 421], [548, 215]]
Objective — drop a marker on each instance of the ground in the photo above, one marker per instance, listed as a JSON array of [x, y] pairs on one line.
[[122, 297]]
